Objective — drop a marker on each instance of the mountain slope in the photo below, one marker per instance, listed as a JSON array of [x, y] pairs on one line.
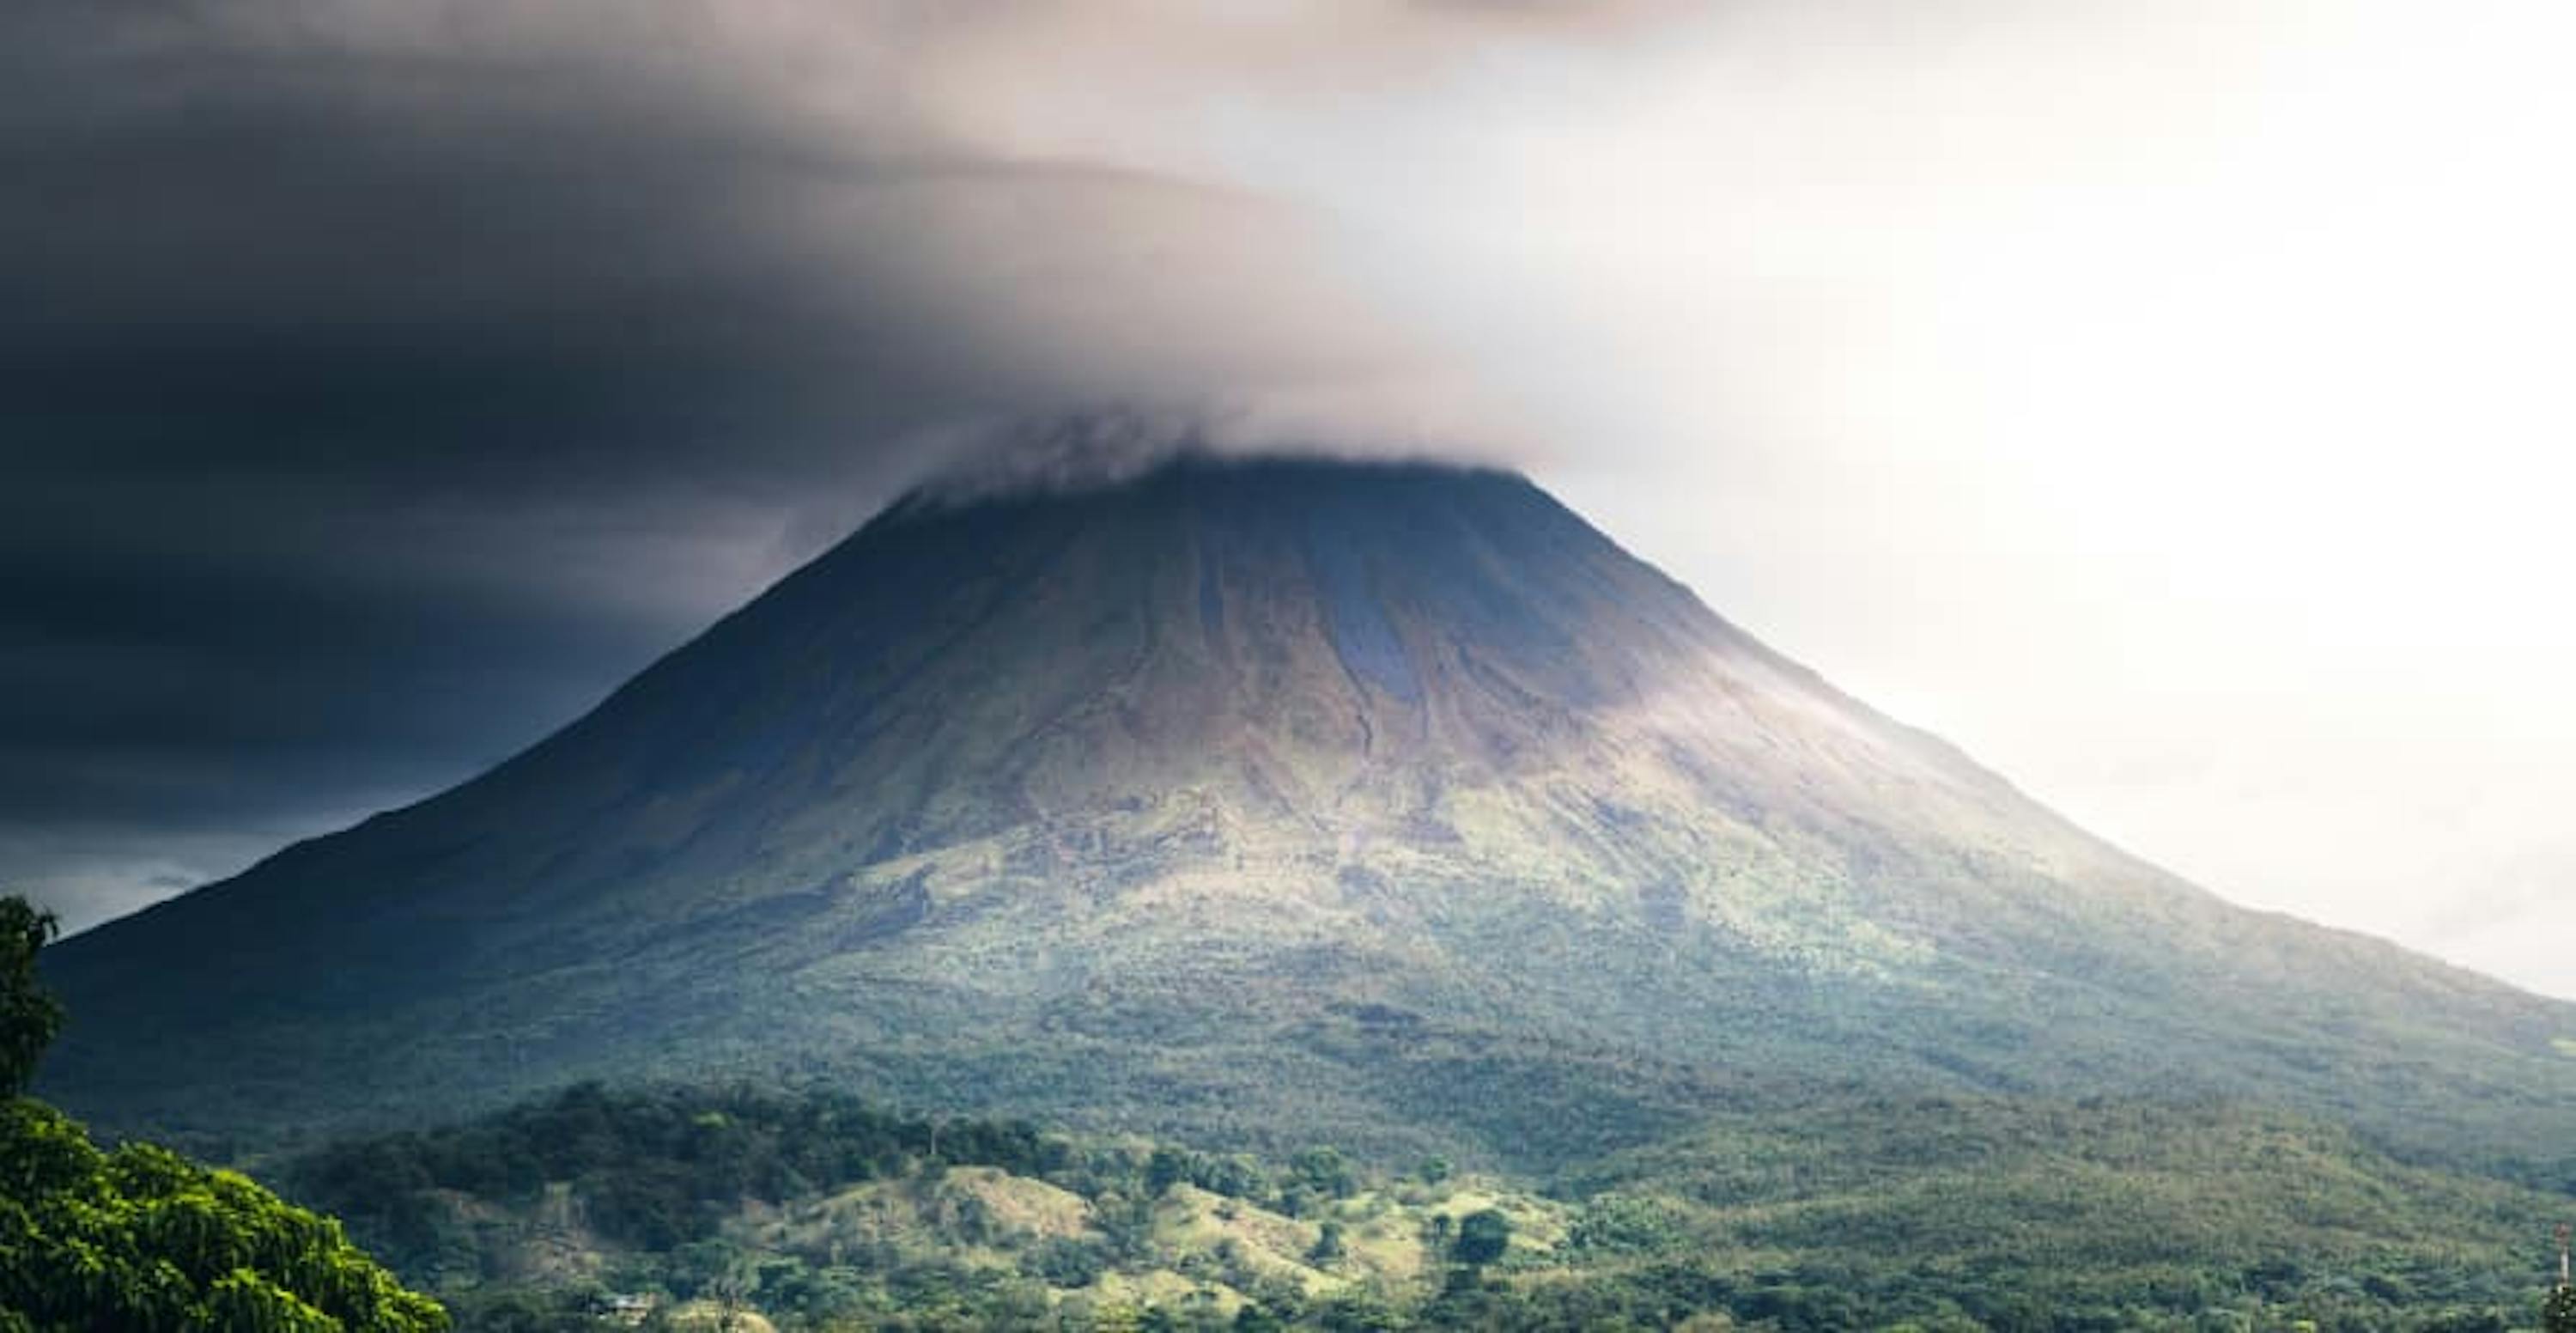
[[1260, 802]]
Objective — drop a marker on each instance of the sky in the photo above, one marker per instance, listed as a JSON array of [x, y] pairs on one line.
[[2164, 402]]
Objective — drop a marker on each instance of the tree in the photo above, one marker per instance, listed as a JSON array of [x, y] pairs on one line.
[[1483, 1235], [28, 1016], [1166, 1168], [1325, 1171], [2558, 1313], [143, 1239], [1257, 1318]]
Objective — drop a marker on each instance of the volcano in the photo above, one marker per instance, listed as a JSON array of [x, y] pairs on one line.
[[1257, 801]]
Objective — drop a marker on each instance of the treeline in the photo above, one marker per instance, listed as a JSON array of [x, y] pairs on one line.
[[2052, 1214], [655, 1168], [2018, 1215]]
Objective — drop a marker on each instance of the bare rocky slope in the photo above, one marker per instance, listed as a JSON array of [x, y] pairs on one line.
[[1259, 802]]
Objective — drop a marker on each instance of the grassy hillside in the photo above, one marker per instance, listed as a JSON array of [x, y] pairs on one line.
[[818, 1212]]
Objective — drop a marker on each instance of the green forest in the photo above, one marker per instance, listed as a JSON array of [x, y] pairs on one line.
[[748, 1208], [819, 1212]]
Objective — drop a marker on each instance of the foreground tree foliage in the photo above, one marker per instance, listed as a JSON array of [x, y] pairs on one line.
[[142, 1239], [28, 1016], [139, 1239]]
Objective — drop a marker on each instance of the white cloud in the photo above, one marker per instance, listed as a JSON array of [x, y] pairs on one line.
[[2167, 402]]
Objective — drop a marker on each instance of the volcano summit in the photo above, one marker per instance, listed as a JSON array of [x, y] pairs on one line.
[[1262, 802]]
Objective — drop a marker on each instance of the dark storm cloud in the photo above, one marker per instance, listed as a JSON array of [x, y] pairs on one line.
[[380, 383], [462, 262]]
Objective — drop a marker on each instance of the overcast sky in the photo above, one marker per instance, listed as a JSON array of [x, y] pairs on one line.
[[2167, 402]]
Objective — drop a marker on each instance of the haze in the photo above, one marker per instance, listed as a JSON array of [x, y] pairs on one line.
[[2165, 404]]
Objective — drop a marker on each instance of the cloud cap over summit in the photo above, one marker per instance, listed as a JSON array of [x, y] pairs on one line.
[[385, 380]]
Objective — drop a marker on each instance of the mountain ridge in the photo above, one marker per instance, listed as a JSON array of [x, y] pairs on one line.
[[1256, 793]]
